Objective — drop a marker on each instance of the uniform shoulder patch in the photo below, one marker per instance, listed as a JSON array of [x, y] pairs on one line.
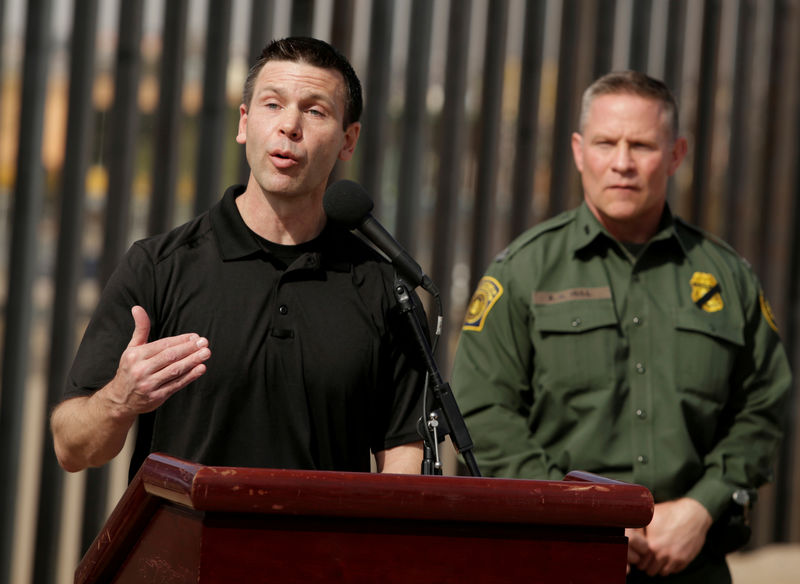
[[766, 310], [488, 292]]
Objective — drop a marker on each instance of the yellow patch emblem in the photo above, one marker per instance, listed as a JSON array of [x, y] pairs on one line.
[[706, 292], [488, 292], [766, 310]]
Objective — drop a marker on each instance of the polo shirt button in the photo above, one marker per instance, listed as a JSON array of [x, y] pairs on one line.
[[283, 309], [576, 322], [637, 321], [641, 459], [640, 368], [640, 413]]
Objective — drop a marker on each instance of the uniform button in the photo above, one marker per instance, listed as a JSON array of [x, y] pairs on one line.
[[641, 459], [283, 309], [640, 413], [640, 368], [576, 322], [637, 321]]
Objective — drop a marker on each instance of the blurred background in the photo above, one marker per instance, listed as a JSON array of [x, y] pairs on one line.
[[118, 119]]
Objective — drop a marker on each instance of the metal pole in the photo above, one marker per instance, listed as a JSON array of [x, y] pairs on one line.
[[215, 106], [488, 142], [80, 130], [28, 200], [414, 125]]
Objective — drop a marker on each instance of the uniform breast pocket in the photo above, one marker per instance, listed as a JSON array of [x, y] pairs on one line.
[[706, 349], [574, 345]]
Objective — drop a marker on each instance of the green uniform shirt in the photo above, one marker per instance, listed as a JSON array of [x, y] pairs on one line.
[[664, 369]]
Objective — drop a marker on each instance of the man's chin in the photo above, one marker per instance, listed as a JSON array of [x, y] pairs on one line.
[[621, 212], [281, 185]]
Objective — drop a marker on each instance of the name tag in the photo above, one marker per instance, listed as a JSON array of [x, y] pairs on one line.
[[600, 293]]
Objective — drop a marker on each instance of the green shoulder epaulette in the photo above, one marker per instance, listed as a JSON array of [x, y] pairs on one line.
[[530, 235], [727, 247]]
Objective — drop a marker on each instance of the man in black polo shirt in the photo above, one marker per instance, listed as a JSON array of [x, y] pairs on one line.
[[256, 335]]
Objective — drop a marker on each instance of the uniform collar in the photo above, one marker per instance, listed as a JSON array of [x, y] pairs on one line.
[[236, 241], [592, 236]]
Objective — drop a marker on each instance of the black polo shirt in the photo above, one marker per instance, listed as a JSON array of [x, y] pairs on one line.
[[312, 365]]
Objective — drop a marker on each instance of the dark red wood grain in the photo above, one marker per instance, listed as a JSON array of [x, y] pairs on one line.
[[184, 522]]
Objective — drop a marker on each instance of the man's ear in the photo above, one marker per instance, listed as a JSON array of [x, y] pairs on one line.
[[350, 140], [241, 137], [679, 150], [577, 150]]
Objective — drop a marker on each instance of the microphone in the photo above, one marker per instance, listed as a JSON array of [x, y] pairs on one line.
[[347, 203]]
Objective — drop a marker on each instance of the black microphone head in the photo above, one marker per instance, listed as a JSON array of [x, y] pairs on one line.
[[347, 203]]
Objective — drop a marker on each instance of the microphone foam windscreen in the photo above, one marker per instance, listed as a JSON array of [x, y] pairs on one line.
[[347, 203]]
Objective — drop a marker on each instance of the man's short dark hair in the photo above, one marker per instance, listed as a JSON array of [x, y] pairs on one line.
[[312, 52], [632, 83]]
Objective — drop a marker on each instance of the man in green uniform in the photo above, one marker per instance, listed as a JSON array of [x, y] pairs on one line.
[[617, 339]]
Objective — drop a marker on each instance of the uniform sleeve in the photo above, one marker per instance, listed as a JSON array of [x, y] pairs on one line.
[[491, 380], [111, 325], [752, 421]]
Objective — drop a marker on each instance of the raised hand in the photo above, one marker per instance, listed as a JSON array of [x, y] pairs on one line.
[[90, 431], [149, 373]]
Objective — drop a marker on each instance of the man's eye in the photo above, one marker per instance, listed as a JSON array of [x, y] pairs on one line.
[[315, 112], [272, 106]]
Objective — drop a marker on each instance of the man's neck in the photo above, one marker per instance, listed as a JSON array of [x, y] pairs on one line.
[[282, 220], [635, 232], [628, 234]]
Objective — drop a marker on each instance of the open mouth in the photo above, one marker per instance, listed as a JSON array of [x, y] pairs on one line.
[[283, 159]]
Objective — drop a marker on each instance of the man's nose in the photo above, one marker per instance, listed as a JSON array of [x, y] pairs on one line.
[[622, 160], [290, 125]]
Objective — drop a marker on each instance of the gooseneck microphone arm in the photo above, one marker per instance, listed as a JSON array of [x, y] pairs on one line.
[[347, 204], [443, 396]]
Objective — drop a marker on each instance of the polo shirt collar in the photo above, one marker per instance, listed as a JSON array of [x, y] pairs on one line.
[[233, 236], [236, 241], [590, 232]]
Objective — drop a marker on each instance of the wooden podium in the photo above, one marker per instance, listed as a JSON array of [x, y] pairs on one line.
[[185, 522]]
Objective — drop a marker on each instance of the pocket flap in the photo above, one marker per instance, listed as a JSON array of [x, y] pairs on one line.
[[716, 324], [574, 317]]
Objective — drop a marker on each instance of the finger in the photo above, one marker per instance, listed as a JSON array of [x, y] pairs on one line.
[[655, 566], [673, 566], [645, 563], [170, 349], [633, 557], [178, 357], [141, 327], [150, 366], [173, 386], [637, 542], [175, 363]]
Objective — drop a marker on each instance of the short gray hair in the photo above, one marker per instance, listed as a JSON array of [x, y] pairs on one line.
[[632, 83]]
